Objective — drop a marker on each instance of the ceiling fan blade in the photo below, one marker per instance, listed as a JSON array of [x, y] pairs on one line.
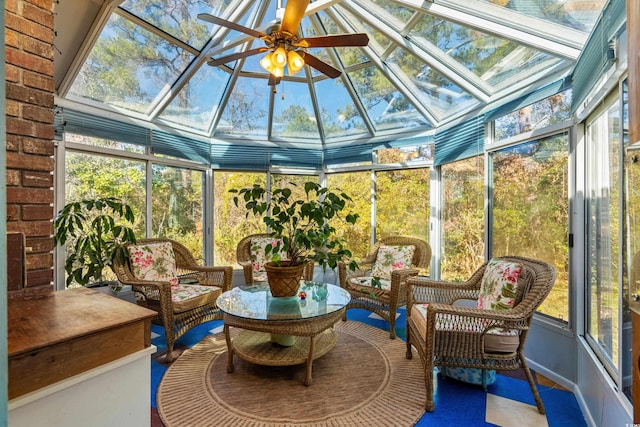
[[236, 56], [232, 25], [273, 80], [336, 40], [293, 14], [319, 65]]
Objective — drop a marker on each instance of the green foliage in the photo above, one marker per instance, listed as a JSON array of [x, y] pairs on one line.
[[97, 231], [303, 224]]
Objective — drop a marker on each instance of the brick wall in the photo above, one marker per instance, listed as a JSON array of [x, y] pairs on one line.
[[29, 107]]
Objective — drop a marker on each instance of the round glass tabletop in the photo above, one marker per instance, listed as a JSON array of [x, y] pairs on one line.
[[255, 302]]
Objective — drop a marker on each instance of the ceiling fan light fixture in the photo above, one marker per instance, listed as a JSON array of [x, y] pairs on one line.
[[279, 58], [266, 63], [295, 62]]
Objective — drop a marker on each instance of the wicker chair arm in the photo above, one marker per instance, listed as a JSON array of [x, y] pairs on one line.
[[400, 276], [475, 319], [214, 276], [425, 290]]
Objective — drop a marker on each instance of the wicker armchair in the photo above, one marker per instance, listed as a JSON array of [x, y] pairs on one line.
[[178, 315], [453, 335], [243, 258], [384, 302]]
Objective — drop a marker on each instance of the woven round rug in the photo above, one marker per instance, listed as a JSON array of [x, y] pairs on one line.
[[364, 380]]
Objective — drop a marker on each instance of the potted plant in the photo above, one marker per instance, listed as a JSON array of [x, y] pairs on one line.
[[302, 228], [94, 231]]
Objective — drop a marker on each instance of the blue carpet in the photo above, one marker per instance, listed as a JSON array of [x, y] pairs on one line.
[[457, 403]]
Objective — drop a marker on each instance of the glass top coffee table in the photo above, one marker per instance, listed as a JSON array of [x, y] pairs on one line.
[[305, 326]]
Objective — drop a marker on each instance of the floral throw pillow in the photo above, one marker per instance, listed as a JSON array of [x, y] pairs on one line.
[[154, 262], [499, 285], [391, 258], [258, 257]]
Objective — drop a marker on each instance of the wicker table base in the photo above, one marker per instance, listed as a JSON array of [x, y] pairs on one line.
[[259, 315], [257, 347]]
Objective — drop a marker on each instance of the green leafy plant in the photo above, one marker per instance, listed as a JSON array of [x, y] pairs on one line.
[[302, 226], [95, 232]]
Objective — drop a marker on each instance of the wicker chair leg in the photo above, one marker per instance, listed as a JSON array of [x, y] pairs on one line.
[[532, 384], [429, 404], [169, 336], [169, 356], [392, 324], [409, 354]]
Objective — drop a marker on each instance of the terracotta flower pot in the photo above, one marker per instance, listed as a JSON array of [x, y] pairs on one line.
[[284, 280]]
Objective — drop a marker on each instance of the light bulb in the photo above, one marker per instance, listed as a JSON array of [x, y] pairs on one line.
[[278, 71], [266, 63], [279, 57], [295, 62]]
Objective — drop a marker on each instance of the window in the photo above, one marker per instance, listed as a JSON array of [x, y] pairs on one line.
[[103, 143], [282, 181], [357, 185], [89, 176], [530, 210], [402, 203], [462, 218], [553, 109], [177, 200], [604, 227], [230, 223], [416, 153]]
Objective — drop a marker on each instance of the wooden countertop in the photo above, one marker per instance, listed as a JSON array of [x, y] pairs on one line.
[[65, 333], [61, 316]]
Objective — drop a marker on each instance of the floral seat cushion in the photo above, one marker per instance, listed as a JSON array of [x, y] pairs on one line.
[[390, 258], [186, 297], [258, 257], [154, 262]]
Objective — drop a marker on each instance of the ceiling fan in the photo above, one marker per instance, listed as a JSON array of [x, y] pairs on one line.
[[283, 45]]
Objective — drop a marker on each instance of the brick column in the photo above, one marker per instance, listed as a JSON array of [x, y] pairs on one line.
[[29, 38]]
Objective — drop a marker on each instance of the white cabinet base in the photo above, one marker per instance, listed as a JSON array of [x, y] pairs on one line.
[[115, 394]]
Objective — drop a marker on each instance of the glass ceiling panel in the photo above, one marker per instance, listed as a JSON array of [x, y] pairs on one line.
[[377, 40], [386, 106], [293, 115], [339, 116], [521, 63], [199, 99], [128, 66], [475, 50], [577, 14], [438, 93], [179, 18], [401, 13], [247, 110]]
